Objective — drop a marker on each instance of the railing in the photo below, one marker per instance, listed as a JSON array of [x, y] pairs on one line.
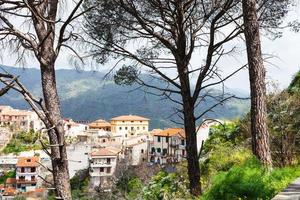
[[100, 174], [101, 164]]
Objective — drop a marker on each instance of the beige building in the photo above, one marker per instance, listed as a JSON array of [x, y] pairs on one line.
[[126, 126], [20, 119], [100, 124], [168, 146]]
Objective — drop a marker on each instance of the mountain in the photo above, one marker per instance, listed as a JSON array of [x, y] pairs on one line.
[[85, 95]]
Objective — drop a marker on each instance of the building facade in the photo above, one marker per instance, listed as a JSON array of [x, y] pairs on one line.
[[27, 173], [20, 119], [102, 166], [126, 126], [168, 146]]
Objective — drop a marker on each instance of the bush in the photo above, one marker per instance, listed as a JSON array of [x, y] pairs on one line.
[[24, 141], [166, 186], [250, 181], [9, 174]]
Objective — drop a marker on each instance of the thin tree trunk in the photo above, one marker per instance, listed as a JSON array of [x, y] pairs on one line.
[[56, 135], [259, 129]]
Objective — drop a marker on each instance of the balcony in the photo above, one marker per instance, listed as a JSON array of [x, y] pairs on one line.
[[24, 181], [101, 164], [99, 174]]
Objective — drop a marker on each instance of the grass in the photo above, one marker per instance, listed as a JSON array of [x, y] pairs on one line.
[[250, 181]]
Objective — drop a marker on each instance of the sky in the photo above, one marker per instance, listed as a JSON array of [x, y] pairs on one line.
[[280, 69]]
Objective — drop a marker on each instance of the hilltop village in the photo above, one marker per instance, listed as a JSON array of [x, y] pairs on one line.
[[103, 148]]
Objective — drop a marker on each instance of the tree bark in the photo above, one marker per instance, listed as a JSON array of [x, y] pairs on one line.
[[259, 129], [56, 135], [191, 148]]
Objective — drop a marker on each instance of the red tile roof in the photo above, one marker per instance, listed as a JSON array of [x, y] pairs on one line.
[[170, 132], [9, 191], [10, 181], [28, 162], [100, 123], [105, 151]]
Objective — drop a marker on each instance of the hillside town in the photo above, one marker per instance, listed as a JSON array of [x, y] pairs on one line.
[[104, 148]]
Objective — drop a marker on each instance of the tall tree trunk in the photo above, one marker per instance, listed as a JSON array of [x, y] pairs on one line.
[[56, 135], [191, 147], [259, 129]]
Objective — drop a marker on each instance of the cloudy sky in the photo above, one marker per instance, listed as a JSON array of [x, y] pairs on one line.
[[281, 68]]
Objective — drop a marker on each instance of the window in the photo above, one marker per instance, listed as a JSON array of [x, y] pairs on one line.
[[32, 178], [144, 128], [165, 151], [132, 121], [158, 150], [101, 169], [141, 121], [138, 128], [32, 169], [120, 128], [108, 170], [126, 128], [152, 150], [182, 142], [142, 151], [183, 152], [22, 169], [132, 128], [108, 160], [158, 138], [167, 139], [126, 135]]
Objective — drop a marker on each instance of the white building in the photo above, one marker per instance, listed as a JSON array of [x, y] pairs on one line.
[[138, 152], [27, 173], [73, 129], [103, 162], [126, 126]]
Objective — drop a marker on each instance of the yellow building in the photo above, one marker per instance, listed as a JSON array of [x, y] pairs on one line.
[[129, 125]]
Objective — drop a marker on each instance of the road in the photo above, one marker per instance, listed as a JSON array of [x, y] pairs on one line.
[[292, 192]]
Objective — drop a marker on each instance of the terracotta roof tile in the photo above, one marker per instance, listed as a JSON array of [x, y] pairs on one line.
[[28, 162], [99, 124], [10, 181], [170, 132], [105, 151], [129, 118], [9, 191]]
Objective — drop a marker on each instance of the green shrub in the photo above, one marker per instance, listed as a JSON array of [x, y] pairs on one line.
[[250, 181], [24, 141], [9, 174], [166, 186]]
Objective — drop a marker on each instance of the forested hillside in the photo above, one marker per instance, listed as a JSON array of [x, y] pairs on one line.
[[87, 96]]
